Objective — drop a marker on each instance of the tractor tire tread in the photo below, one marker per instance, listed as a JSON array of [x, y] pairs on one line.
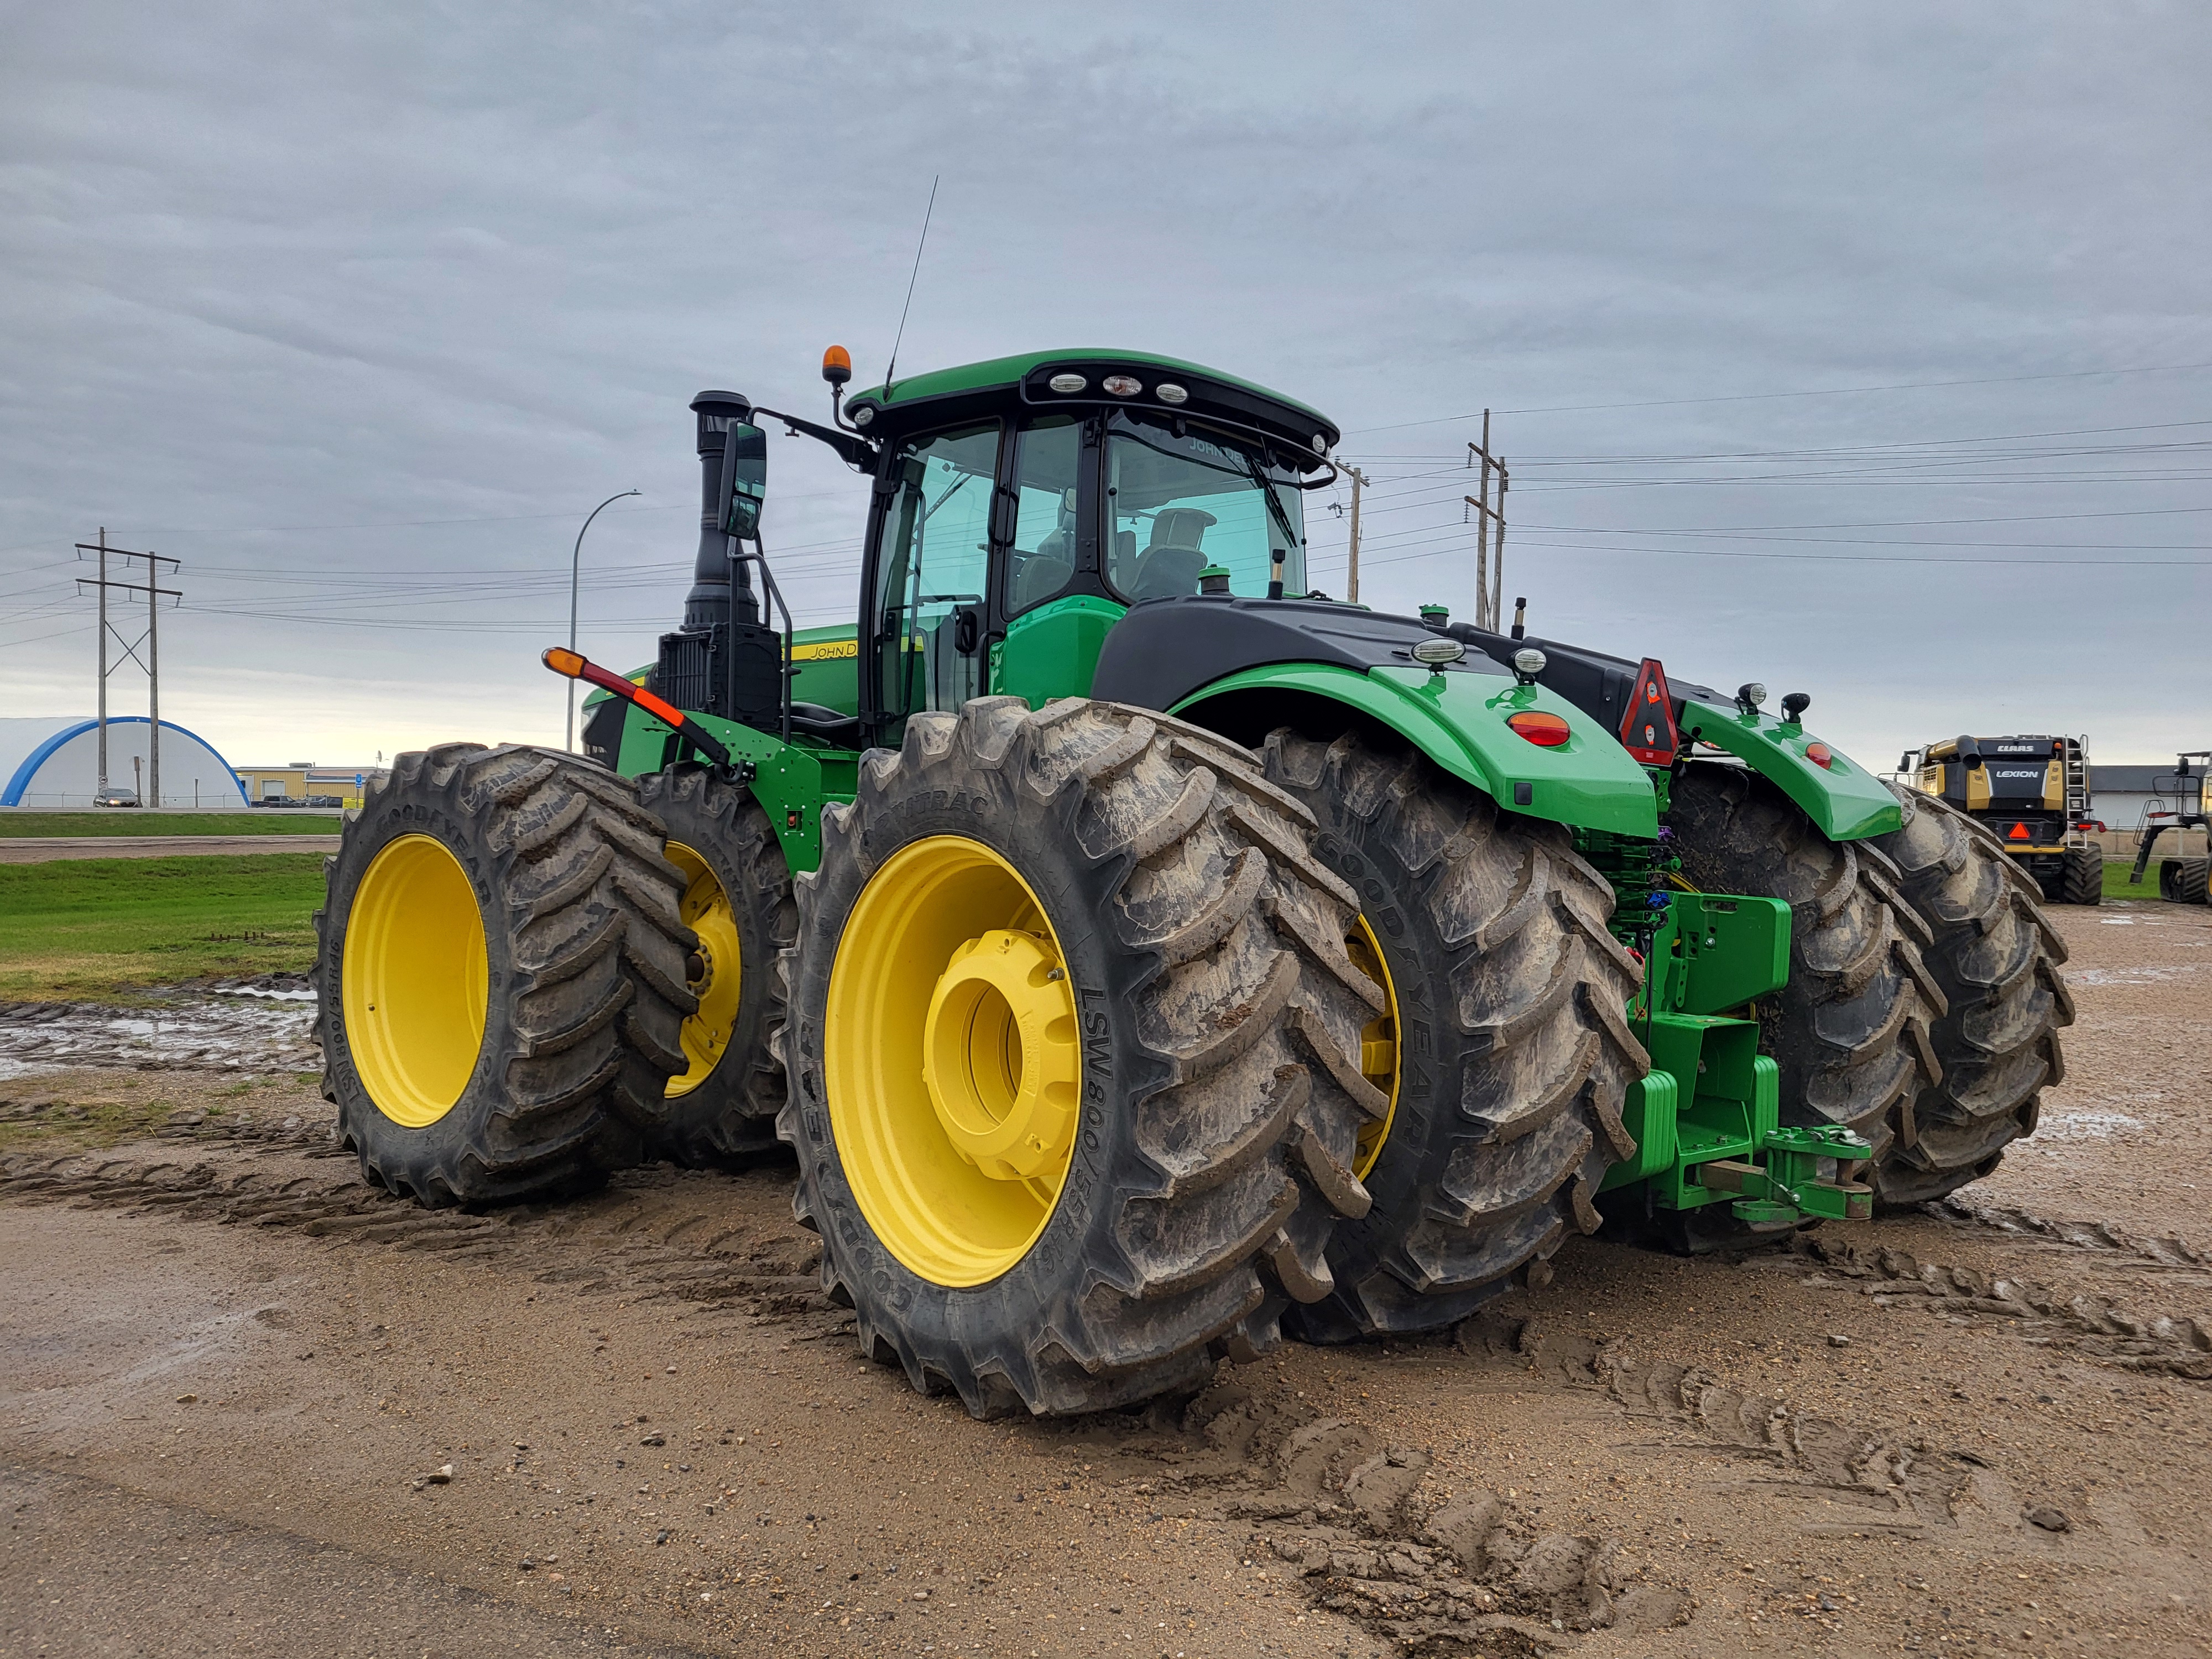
[[729, 1116], [1997, 957], [582, 1019], [1523, 1075], [1207, 1216]]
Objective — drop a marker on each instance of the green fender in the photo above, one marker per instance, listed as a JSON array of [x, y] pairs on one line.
[[1848, 802], [1458, 720]]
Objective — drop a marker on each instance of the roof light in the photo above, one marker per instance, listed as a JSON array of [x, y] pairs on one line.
[[836, 365], [1123, 386], [1528, 663], [863, 415], [1168, 392], [1320, 444], [1066, 383], [1820, 755], [1546, 730], [1749, 696], [1437, 653]]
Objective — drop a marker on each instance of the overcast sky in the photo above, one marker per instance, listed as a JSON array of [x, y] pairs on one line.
[[357, 311]]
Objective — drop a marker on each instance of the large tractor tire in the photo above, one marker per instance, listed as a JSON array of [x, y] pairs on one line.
[[1073, 1052], [1997, 958], [1850, 1030], [500, 976], [2083, 880], [1504, 1047], [737, 900]]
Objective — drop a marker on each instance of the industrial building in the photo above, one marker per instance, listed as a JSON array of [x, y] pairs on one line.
[[304, 781]]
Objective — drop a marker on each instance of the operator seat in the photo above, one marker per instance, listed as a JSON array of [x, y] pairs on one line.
[[1173, 558], [1042, 573]]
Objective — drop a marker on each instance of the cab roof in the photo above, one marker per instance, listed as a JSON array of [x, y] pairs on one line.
[[1027, 375]]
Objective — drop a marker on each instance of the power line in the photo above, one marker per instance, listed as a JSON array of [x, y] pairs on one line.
[[1823, 392]]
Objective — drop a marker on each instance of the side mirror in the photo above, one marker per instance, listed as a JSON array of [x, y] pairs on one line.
[[744, 480]]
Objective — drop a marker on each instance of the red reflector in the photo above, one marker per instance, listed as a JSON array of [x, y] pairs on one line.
[[2018, 832], [1545, 731], [1820, 754], [1647, 732]]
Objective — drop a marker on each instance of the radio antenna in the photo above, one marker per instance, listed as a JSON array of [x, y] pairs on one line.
[[909, 306]]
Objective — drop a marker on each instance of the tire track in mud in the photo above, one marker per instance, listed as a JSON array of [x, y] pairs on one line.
[[2099, 1236], [2086, 1323], [1467, 1573], [652, 1234]]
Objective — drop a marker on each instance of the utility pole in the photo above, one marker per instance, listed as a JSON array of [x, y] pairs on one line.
[[153, 691], [102, 787], [1359, 483], [155, 592], [1489, 550]]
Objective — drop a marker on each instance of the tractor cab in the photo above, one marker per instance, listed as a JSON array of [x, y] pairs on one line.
[[1023, 506]]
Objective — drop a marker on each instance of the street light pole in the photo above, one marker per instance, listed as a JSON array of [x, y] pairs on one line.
[[575, 563]]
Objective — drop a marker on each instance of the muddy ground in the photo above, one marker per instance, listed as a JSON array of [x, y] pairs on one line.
[[248, 1407]]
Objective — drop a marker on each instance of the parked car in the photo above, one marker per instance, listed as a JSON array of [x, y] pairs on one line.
[[118, 796]]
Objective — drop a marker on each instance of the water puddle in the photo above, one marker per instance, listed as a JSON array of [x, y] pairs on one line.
[[2084, 1125], [225, 1033], [2128, 975]]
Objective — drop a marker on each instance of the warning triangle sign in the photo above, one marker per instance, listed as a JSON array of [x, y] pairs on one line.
[[1647, 730], [2018, 832]]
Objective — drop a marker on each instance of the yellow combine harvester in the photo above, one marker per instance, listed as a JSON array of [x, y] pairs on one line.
[[2033, 794]]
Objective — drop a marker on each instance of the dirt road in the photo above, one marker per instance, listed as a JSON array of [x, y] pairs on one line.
[[44, 849], [246, 1406]]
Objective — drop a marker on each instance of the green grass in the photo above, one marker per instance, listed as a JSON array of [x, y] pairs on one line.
[[2116, 880], [16, 822], [98, 929]]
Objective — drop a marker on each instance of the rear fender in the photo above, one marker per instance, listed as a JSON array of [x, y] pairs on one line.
[[1458, 720], [1848, 802]]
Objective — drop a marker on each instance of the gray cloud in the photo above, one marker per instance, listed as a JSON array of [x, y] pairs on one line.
[[285, 294]]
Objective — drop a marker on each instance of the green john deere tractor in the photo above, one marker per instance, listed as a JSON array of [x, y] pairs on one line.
[[1144, 955]]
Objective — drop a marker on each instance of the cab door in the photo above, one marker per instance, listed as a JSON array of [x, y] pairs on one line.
[[929, 577]]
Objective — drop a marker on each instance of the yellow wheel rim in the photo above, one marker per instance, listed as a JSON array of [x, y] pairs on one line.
[[416, 981], [716, 965], [1378, 1046], [951, 1060]]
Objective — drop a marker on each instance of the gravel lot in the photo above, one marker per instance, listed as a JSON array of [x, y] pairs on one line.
[[249, 1407]]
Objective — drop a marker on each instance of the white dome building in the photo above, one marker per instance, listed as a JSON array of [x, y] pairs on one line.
[[55, 763]]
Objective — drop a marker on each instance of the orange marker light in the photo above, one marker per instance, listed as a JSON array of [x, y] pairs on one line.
[[566, 663], [836, 365], [1820, 754], [1545, 731]]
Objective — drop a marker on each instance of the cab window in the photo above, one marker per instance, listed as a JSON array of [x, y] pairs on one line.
[[1178, 501], [1041, 562]]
